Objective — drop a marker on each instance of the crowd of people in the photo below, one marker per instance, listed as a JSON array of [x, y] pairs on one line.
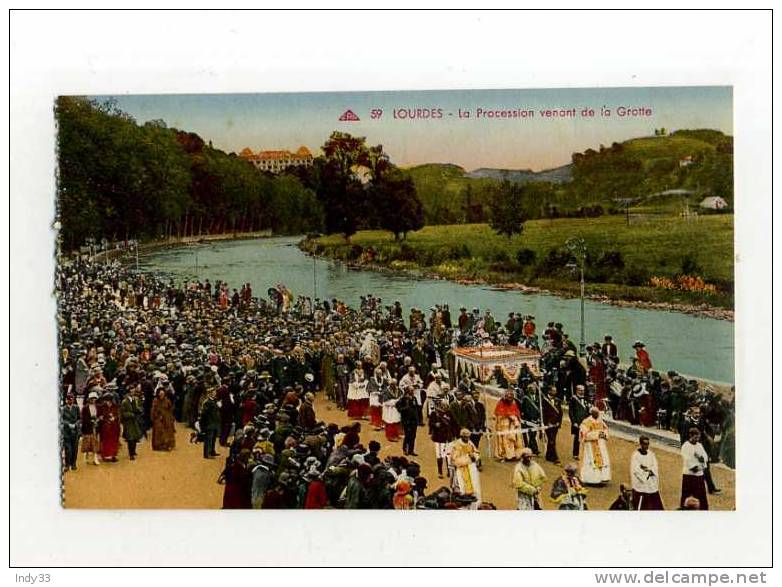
[[139, 353]]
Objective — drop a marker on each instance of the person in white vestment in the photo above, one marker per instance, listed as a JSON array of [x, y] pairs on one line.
[[595, 461], [644, 478], [464, 459]]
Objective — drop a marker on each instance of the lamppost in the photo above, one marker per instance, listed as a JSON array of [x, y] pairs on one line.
[[577, 246], [314, 280]]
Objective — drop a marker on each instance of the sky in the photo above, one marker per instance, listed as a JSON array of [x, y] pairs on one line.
[[287, 121]]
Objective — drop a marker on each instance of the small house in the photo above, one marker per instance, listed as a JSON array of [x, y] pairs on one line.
[[686, 161], [713, 203]]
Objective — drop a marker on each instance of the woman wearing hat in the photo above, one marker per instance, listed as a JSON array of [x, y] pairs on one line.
[[644, 361], [163, 434], [109, 428], [238, 483], [316, 497], [89, 426]]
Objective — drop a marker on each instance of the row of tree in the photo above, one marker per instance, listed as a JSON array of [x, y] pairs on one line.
[[120, 180]]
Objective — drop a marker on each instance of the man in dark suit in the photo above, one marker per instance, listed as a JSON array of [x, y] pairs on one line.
[[578, 409], [408, 411], [530, 412], [479, 424], [209, 422], [446, 317], [70, 419], [609, 348], [227, 412], [552, 420]]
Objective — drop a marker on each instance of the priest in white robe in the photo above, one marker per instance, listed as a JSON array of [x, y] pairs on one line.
[[465, 458], [644, 478], [595, 462]]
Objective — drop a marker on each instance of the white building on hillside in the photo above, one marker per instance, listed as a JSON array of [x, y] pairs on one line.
[[276, 161], [713, 203]]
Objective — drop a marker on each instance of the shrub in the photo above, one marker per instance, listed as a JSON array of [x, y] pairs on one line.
[[432, 257], [525, 257], [500, 256], [611, 260], [424, 258], [635, 275], [607, 268], [461, 251], [354, 252], [405, 253], [554, 262], [690, 265]]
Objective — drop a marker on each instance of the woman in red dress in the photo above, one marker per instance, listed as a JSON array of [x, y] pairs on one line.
[[249, 408], [238, 484], [644, 361], [109, 427]]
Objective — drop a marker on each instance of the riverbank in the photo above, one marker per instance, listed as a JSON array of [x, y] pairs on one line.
[[626, 258], [148, 246]]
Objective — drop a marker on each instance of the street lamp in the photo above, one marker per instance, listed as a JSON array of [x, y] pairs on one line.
[[577, 246]]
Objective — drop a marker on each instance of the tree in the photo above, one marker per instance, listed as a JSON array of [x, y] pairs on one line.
[[116, 179], [351, 174], [341, 189], [294, 208], [507, 209], [398, 208]]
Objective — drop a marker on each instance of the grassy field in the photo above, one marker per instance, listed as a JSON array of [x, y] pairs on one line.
[[660, 246]]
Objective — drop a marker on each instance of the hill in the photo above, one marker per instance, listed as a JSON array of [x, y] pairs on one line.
[[699, 161], [446, 192], [557, 175]]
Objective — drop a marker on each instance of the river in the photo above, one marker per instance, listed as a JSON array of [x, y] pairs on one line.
[[700, 347]]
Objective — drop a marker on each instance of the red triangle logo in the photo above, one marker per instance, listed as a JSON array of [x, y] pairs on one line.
[[349, 116]]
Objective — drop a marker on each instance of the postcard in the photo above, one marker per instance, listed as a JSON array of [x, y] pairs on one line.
[[516, 299]]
